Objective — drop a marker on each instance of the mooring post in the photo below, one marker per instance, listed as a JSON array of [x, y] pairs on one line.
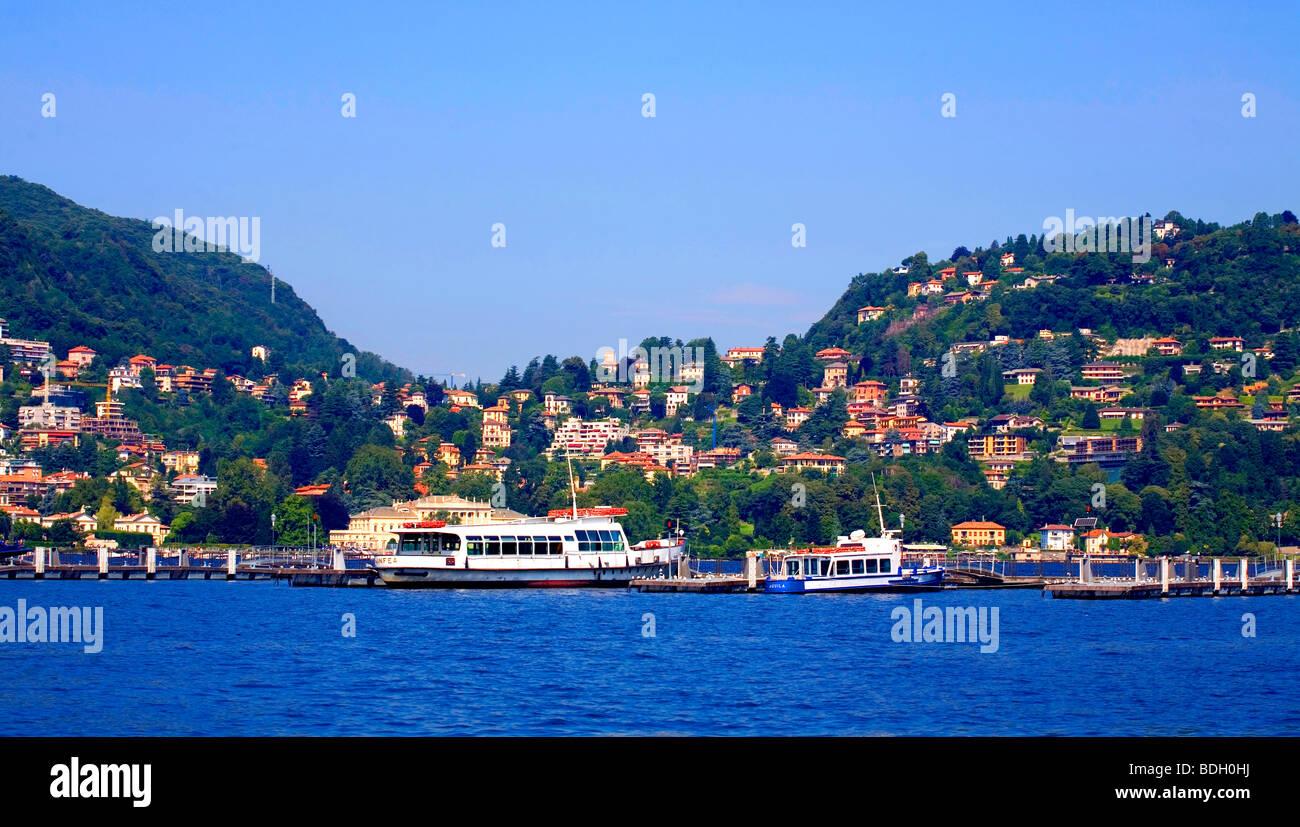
[[684, 566], [1245, 573], [230, 564], [38, 558], [1164, 575], [1218, 574], [1083, 572], [150, 563], [1290, 575], [339, 563], [1137, 571], [184, 558], [751, 569], [103, 563]]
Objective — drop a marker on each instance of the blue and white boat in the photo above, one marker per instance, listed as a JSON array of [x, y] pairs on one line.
[[856, 563]]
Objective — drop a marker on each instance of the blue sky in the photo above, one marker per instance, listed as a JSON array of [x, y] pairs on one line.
[[619, 226]]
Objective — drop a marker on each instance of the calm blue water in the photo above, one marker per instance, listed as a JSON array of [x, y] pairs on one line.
[[216, 658]]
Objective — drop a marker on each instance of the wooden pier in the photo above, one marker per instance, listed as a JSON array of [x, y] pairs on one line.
[[1170, 585]]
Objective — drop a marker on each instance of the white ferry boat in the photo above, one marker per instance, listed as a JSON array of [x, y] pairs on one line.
[[856, 563], [569, 547]]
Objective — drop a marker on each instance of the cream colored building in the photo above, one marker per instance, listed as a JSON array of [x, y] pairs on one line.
[[143, 523], [85, 522], [373, 530]]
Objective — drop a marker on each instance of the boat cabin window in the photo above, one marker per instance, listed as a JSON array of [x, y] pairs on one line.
[[411, 544], [841, 566], [859, 566], [791, 567], [428, 543], [599, 540], [884, 565], [871, 566], [513, 546]]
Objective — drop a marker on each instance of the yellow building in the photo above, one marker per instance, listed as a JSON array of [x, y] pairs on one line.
[[978, 533], [990, 446]]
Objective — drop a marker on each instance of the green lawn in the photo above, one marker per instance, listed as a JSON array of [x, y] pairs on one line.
[[1018, 392]]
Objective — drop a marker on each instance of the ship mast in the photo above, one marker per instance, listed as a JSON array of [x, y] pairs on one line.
[[880, 514], [573, 491]]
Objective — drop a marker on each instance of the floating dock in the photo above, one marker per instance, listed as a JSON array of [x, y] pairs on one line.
[[45, 566], [1277, 581], [709, 584]]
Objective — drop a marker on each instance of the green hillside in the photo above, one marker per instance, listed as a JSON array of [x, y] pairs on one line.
[[1242, 280], [76, 276]]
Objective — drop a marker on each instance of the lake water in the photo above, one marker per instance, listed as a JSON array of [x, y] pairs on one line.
[[216, 658]]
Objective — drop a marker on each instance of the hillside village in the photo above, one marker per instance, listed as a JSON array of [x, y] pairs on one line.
[[984, 431]]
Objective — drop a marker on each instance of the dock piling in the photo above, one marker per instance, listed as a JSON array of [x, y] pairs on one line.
[[1245, 574], [1290, 575], [38, 557], [1218, 575], [150, 563], [230, 564], [1164, 575], [103, 564]]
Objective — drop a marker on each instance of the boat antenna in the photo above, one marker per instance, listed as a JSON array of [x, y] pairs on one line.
[[880, 514], [573, 490]]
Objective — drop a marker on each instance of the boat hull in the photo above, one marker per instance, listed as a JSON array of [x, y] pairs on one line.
[[931, 580], [459, 578]]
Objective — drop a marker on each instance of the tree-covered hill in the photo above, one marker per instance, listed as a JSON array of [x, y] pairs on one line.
[[1242, 280], [76, 276]]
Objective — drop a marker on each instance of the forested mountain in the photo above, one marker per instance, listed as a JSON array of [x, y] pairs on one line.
[[76, 276]]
